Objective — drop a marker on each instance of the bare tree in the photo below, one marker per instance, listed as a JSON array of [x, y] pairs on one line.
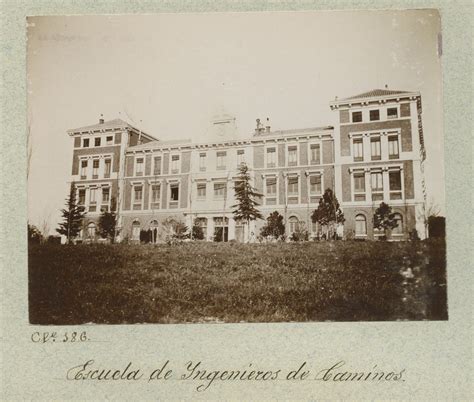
[[429, 208]]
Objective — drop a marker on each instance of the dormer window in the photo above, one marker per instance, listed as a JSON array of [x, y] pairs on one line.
[[174, 164], [85, 143], [292, 155], [109, 140], [97, 142]]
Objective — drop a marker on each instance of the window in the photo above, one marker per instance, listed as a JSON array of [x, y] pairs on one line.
[[220, 190], [377, 186], [201, 191], [392, 113], [95, 168], [360, 225], [240, 157], [395, 182], [157, 165], [92, 200], [356, 117], [85, 143], [292, 155], [174, 195], [271, 157], [358, 148], [315, 154], [221, 160], [202, 162], [293, 224], [271, 190], [374, 115], [375, 150], [109, 140], [174, 164], [393, 151], [359, 186], [139, 167], [155, 196], [136, 230], [137, 197], [315, 188], [105, 194], [293, 190], [154, 230], [91, 231], [82, 196], [97, 142], [398, 230], [107, 167], [83, 169]]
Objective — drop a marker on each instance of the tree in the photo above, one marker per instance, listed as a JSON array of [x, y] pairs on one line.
[[274, 226], [108, 223], [73, 215], [246, 208], [34, 235], [196, 232], [384, 219], [328, 214], [429, 209]]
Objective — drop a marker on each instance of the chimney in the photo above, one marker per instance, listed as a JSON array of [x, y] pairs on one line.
[[258, 129], [267, 127], [386, 86], [101, 120]]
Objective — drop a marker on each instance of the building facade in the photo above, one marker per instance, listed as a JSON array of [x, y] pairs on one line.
[[374, 153]]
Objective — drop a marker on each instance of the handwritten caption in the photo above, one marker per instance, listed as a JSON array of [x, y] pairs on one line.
[[205, 377]]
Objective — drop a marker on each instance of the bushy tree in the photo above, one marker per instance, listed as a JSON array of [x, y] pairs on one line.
[[108, 223], [174, 230], [328, 214], [73, 216], [274, 226], [384, 219], [34, 235], [300, 234], [196, 232], [246, 207]]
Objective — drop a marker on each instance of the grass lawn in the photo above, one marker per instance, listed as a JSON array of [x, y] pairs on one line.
[[215, 282]]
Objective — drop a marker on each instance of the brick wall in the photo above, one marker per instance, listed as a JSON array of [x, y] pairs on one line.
[[344, 116], [328, 153], [258, 156], [77, 153], [183, 197], [281, 155], [147, 165], [346, 183], [186, 162], [405, 110], [129, 159], [166, 163], [303, 153], [408, 178], [403, 125]]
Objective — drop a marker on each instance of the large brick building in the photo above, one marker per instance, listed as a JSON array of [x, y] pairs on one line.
[[374, 153]]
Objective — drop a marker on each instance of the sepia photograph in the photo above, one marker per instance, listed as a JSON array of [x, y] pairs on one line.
[[248, 167]]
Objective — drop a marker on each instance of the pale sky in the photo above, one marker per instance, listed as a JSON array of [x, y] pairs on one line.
[[171, 72]]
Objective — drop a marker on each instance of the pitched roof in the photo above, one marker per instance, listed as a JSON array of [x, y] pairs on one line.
[[375, 93], [115, 123]]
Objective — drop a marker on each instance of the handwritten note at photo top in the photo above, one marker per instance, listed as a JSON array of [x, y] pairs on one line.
[[234, 206]]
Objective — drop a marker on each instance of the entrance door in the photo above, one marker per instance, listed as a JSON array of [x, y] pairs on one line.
[[221, 229], [239, 232]]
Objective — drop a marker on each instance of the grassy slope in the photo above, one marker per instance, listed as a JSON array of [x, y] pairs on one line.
[[192, 282]]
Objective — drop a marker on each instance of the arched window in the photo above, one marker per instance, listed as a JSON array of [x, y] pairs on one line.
[[154, 230], [91, 230], [398, 230], [136, 230], [293, 224], [360, 225]]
